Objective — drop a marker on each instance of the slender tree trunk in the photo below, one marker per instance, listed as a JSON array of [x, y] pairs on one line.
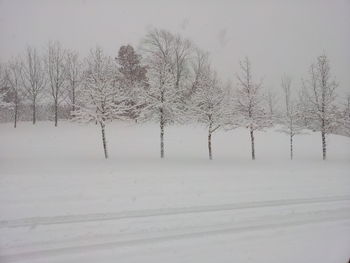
[[209, 146], [56, 113], [16, 113], [16, 110], [323, 127], [324, 146], [73, 98], [104, 141], [252, 141], [209, 142], [162, 123], [161, 137], [96, 120], [291, 147], [34, 111]]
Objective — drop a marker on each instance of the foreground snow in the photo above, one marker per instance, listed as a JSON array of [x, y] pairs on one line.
[[60, 201]]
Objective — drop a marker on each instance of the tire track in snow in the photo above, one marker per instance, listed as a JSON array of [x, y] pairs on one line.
[[176, 234], [83, 218]]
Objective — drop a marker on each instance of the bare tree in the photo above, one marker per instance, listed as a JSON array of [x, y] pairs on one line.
[[319, 92], [173, 50], [182, 49], [158, 45], [250, 102], [73, 69], [291, 120], [162, 100], [13, 77], [199, 66], [208, 103], [56, 74], [166, 58], [272, 103], [33, 78], [102, 100]]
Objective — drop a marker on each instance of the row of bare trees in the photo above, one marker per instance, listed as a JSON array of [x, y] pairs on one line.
[[40, 78], [172, 82]]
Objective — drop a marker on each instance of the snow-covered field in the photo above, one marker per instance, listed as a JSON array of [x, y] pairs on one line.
[[61, 201]]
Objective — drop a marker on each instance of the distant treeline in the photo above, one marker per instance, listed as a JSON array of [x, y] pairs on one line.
[[169, 80]]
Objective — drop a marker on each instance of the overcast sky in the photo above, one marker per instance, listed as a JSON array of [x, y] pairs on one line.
[[280, 37]]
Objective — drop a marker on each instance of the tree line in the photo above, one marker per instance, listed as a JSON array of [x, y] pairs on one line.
[[170, 80]]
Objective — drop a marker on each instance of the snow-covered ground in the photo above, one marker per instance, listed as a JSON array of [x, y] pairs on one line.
[[61, 201]]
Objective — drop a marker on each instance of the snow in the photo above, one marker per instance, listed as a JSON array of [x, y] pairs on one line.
[[61, 201]]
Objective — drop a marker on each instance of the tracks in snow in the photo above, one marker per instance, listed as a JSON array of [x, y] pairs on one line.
[[95, 232], [82, 218], [162, 236]]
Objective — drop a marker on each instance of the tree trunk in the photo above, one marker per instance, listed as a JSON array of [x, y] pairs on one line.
[[209, 146], [56, 113], [16, 111], [209, 139], [96, 122], [161, 138], [291, 147], [252, 141], [104, 141], [324, 146], [323, 128], [73, 98], [34, 111]]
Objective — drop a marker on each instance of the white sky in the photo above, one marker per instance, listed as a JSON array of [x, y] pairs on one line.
[[280, 37]]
